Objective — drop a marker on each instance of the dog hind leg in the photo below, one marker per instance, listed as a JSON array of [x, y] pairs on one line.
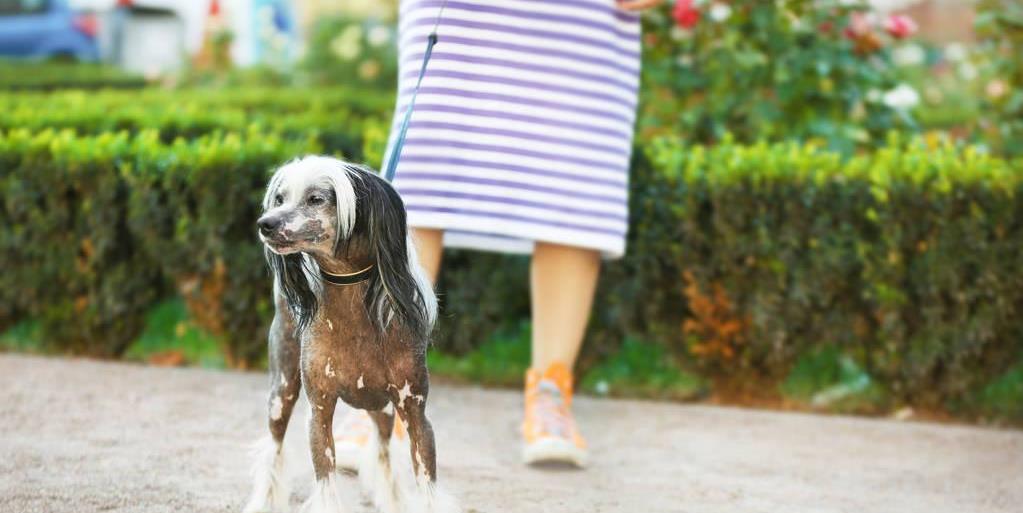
[[375, 469]]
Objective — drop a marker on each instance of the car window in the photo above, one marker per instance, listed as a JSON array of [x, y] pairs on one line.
[[8, 7]]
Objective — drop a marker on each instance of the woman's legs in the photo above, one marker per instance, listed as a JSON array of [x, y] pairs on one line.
[[430, 247], [562, 282], [563, 279]]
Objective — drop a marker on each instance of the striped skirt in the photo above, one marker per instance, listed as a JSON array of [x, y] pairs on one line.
[[523, 127]]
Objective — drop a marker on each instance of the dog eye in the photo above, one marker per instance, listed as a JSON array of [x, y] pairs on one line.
[[315, 200], [278, 199]]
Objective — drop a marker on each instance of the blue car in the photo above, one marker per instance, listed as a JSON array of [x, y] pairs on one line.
[[42, 29]]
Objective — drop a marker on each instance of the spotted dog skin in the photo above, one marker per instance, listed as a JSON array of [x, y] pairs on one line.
[[363, 343]]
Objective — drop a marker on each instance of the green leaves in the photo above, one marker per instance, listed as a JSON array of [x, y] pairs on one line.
[[902, 258], [769, 71]]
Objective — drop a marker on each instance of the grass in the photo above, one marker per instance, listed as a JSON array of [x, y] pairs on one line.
[[638, 369], [500, 361], [644, 370], [170, 336], [824, 378], [1003, 396], [23, 338], [827, 379]]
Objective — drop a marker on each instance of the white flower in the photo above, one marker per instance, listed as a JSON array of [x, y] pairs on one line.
[[955, 52], [909, 55], [902, 97], [720, 12], [378, 35], [679, 33], [967, 71]]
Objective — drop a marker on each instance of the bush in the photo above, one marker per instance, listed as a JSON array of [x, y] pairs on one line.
[[905, 258], [334, 116], [769, 70], [353, 51], [46, 76], [1000, 24], [89, 242], [741, 257]]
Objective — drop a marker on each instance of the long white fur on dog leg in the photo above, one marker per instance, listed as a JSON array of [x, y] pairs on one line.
[[326, 497], [428, 497], [377, 477], [270, 490]]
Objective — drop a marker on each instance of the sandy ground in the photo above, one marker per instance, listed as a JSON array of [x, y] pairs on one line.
[[82, 436]]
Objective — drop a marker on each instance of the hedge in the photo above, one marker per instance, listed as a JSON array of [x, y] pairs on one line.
[[908, 258], [740, 257], [336, 117], [97, 227], [51, 75]]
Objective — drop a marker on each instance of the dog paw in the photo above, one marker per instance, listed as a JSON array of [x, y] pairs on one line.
[[326, 498], [270, 493]]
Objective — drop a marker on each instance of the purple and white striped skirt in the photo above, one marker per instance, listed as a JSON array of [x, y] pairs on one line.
[[523, 127]]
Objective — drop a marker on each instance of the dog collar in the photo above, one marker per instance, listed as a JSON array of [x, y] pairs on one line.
[[347, 279]]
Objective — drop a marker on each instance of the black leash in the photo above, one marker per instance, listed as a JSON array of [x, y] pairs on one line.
[[399, 143]]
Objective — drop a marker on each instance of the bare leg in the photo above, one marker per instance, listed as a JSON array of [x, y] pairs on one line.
[[375, 472], [321, 439], [271, 491], [428, 498], [326, 497], [563, 280], [430, 246]]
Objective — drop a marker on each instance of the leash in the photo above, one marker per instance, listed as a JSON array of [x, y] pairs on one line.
[[392, 161], [399, 143]]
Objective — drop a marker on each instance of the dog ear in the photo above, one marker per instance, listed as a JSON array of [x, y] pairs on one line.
[[291, 272], [397, 288], [291, 277]]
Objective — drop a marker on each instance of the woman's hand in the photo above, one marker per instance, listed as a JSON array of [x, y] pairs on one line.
[[637, 5]]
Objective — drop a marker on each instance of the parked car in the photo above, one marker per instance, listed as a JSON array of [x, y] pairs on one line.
[[41, 29]]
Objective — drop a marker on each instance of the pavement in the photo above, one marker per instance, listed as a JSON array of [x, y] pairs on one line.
[[90, 436]]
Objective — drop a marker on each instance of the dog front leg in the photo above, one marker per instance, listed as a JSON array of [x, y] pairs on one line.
[[271, 486], [326, 496], [428, 497]]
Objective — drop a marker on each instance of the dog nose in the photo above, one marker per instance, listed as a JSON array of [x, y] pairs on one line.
[[268, 224]]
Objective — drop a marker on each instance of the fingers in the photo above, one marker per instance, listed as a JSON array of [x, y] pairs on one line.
[[638, 5]]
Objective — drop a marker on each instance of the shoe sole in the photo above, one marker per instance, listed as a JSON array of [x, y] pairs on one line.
[[554, 450]]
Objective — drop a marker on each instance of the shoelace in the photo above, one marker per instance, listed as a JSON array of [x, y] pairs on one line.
[[551, 411]]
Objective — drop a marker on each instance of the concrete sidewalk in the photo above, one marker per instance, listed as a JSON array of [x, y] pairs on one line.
[[82, 436]]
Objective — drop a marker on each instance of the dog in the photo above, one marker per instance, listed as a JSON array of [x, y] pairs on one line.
[[354, 311]]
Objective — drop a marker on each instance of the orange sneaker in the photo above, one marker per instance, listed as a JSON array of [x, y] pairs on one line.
[[549, 430], [352, 436]]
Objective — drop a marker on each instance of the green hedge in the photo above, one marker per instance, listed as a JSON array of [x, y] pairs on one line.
[[336, 117], [51, 75], [97, 227], [741, 258], [907, 258]]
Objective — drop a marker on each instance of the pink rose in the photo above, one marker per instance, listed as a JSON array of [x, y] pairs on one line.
[[686, 15], [858, 27], [899, 26]]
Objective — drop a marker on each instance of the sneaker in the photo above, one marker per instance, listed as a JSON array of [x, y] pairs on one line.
[[549, 430], [352, 436]]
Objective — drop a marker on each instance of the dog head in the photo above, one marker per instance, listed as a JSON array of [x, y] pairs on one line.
[[309, 206], [324, 208]]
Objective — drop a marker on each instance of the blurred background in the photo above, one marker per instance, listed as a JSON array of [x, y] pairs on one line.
[[825, 196]]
